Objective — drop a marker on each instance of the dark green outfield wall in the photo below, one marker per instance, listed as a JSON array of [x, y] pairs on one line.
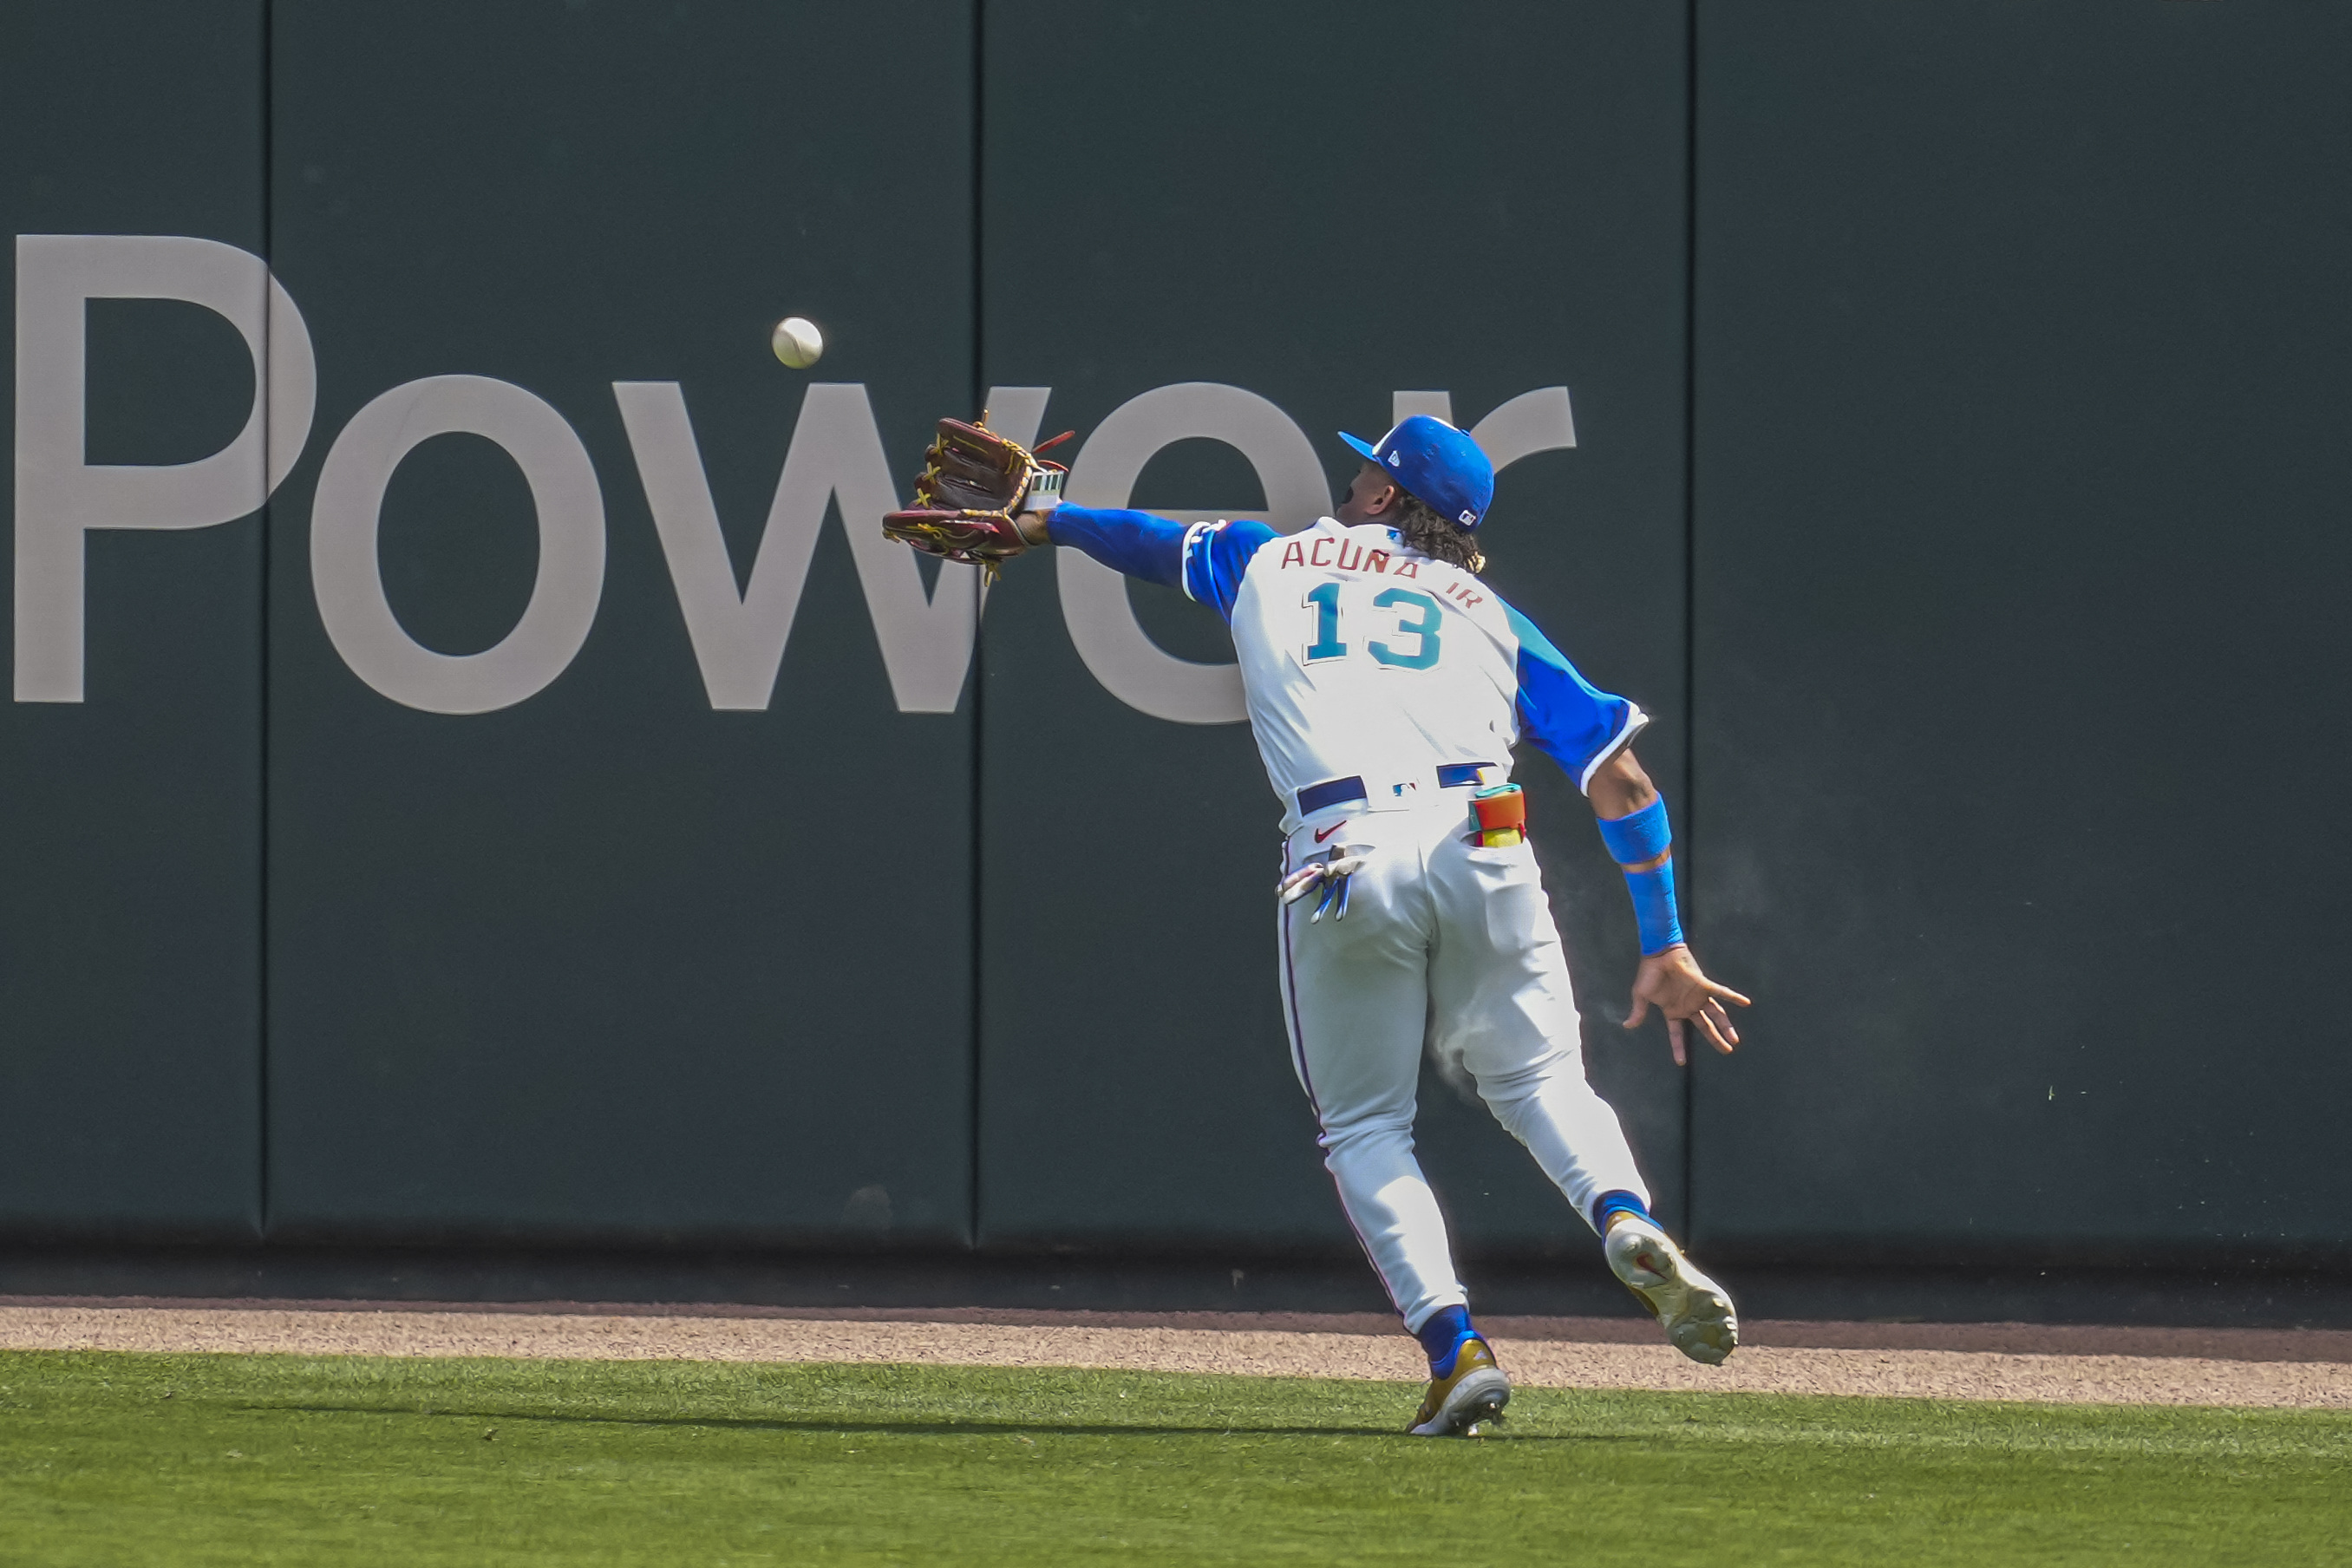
[[2024, 380], [576, 825], [131, 1013], [607, 961], [1220, 221]]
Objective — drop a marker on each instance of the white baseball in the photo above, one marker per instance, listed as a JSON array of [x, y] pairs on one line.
[[797, 342]]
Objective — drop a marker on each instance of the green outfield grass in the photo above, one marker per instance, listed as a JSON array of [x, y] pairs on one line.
[[152, 1459]]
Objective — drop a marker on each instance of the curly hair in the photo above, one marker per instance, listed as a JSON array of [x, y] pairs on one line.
[[1437, 537]]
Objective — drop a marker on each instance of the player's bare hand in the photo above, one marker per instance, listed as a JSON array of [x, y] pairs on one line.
[[1673, 982]]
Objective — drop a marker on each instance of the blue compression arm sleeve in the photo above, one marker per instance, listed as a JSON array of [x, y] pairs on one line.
[[1654, 908], [1643, 835], [1134, 542], [1632, 839]]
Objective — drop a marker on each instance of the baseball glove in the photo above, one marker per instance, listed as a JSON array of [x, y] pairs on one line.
[[974, 484]]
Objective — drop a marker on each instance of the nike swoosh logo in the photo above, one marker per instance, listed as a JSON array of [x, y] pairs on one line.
[[1323, 833]]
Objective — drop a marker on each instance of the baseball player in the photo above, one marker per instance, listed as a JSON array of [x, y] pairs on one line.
[[1387, 687]]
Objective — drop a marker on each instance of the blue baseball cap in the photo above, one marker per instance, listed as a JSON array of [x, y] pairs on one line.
[[1438, 463]]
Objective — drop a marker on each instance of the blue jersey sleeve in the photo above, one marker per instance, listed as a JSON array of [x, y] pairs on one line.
[[1135, 543], [1570, 720], [1215, 556]]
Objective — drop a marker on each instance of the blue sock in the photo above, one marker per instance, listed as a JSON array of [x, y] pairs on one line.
[[1442, 1337], [1608, 1204]]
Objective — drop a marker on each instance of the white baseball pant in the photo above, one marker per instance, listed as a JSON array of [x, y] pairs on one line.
[[1446, 947]]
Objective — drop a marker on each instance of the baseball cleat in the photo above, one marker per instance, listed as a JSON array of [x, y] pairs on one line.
[[1695, 1311], [1474, 1390]]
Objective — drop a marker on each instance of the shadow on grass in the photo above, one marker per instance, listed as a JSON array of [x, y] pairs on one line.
[[910, 1428]]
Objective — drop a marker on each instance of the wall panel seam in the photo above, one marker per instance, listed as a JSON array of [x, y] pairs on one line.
[[1690, 561], [261, 909], [979, 637]]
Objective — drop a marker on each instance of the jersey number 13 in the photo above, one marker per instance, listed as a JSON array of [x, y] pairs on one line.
[[1417, 618]]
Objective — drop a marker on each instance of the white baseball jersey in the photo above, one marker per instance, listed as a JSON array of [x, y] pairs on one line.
[[1365, 658]]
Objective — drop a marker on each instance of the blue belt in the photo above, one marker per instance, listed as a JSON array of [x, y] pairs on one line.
[[1338, 791]]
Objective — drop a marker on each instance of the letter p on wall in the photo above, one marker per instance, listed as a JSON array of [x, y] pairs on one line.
[[59, 495]]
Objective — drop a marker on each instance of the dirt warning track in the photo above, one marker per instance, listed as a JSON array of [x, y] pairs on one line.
[[2299, 1368]]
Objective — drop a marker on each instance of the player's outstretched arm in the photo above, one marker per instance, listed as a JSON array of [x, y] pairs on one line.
[[1632, 820], [1134, 542], [1204, 560]]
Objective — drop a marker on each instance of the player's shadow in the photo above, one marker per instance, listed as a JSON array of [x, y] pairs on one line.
[[919, 1428]]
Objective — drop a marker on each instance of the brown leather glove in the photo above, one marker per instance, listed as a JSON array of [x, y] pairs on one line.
[[974, 485]]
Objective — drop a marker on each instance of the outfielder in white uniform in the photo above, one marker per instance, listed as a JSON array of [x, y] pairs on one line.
[[1387, 687]]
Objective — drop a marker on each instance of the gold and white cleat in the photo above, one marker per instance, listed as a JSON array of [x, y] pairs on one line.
[[1474, 1392], [1695, 1311]]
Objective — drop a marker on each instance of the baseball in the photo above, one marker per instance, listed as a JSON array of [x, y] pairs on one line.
[[797, 342]]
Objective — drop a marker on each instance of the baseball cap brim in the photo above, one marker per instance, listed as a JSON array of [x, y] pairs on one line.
[[1372, 453]]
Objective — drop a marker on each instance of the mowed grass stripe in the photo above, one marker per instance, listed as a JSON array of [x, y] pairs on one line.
[[170, 1459]]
